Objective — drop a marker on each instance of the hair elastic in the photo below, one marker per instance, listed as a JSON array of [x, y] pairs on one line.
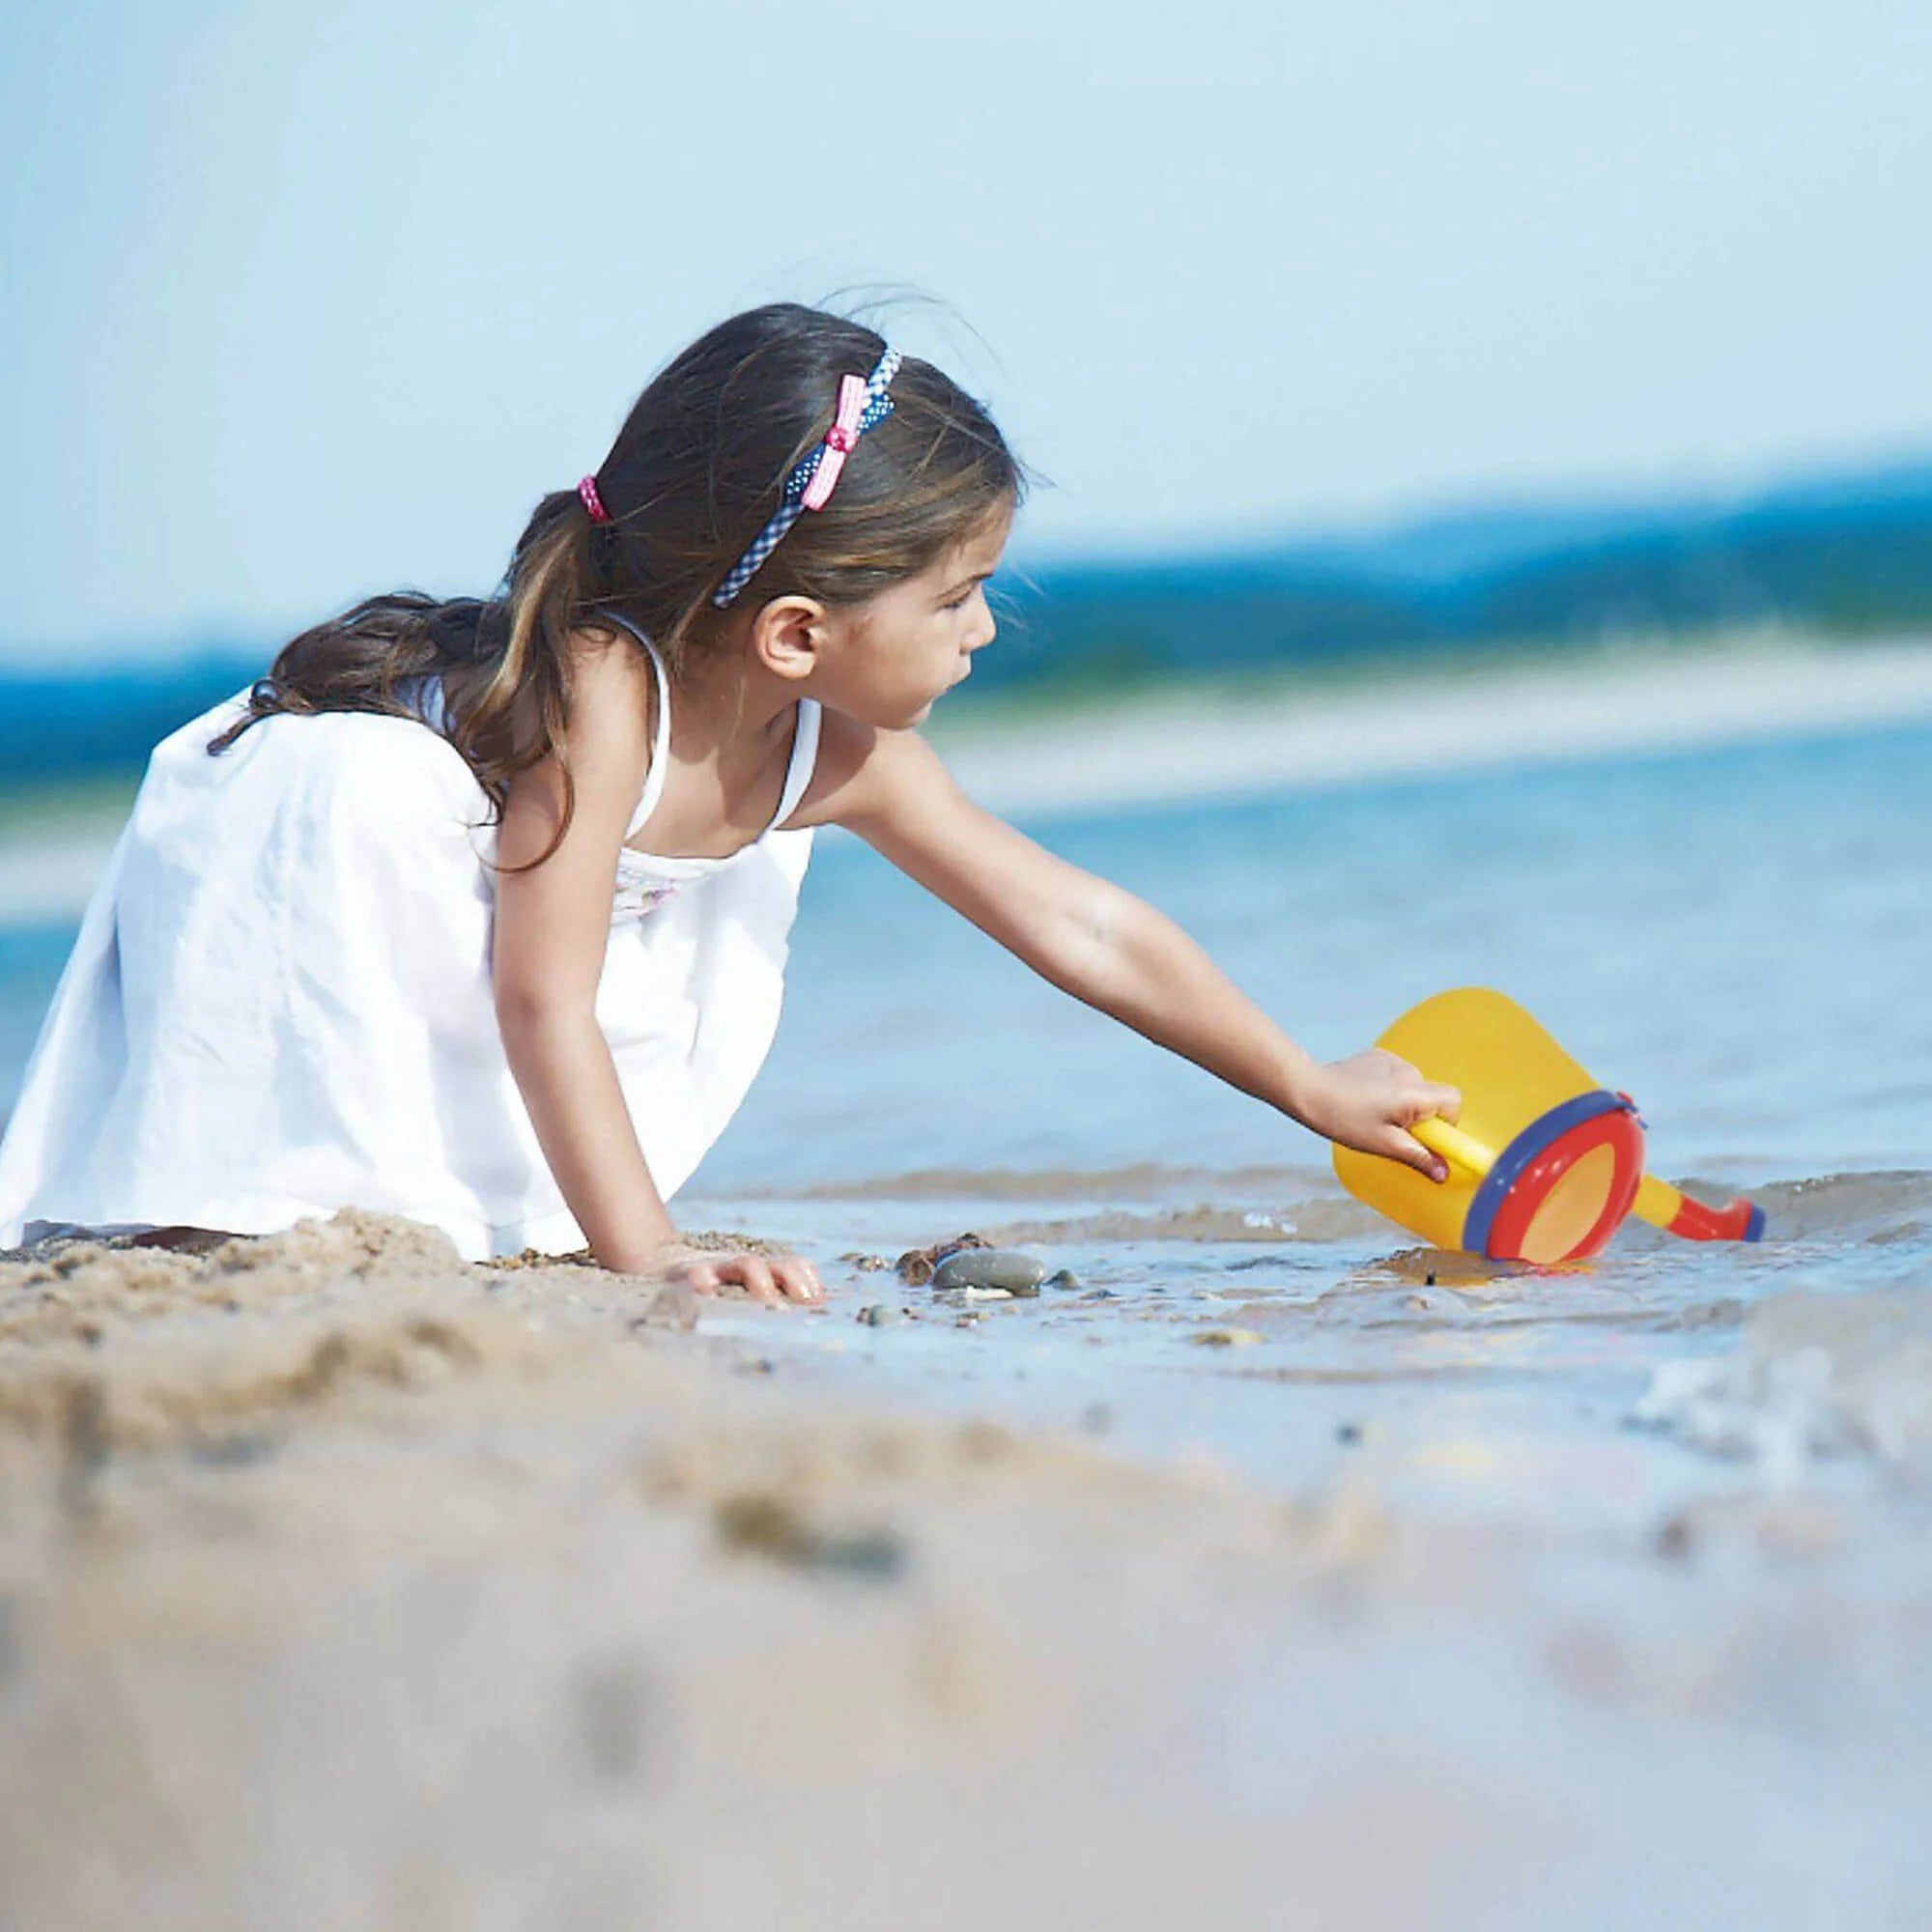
[[592, 501], [863, 404]]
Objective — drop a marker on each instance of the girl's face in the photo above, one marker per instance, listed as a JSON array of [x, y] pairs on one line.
[[888, 659]]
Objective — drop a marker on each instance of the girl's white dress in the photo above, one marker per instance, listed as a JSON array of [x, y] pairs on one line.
[[280, 1003]]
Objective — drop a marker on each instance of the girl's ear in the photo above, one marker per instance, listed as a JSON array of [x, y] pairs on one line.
[[787, 635]]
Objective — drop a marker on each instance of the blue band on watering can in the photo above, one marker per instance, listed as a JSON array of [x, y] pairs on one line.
[[1528, 1147], [1754, 1227]]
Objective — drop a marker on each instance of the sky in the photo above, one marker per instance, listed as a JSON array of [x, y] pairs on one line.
[[298, 304]]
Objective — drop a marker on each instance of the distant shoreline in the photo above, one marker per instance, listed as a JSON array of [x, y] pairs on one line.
[[1177, 743], [1225, 736]]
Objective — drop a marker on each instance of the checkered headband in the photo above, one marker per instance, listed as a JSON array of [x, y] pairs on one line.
[[863, 404]]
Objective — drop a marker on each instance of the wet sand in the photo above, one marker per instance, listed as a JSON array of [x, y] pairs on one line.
[[1225, 738], [342, 1584]]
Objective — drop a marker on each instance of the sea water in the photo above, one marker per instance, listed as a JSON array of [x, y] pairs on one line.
[[1740, 938]]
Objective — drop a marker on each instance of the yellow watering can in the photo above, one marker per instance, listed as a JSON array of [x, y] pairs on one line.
[[1544, 1163]]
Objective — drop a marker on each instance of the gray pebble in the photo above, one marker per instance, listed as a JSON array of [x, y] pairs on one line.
[[1063, 1278], [1005, 1269], [881, 1315]]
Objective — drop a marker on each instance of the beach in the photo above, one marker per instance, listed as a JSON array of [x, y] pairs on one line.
[[1262, 1568], [349, 1585], [1210, 739], [1404, 527]]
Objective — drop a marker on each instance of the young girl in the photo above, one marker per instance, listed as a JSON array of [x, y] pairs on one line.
[[477, 912]]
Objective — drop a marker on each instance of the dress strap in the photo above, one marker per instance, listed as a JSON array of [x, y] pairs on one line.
[[654, 779], [798, 773], [804, 759]]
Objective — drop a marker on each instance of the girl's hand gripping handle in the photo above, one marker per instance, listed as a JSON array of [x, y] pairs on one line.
[[1378, 1103]]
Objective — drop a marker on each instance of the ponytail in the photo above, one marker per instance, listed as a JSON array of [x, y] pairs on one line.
[[506, 660]]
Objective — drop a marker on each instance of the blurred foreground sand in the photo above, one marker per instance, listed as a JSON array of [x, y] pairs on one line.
[[342, 1584]]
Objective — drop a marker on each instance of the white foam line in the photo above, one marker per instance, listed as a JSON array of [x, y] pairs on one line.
[[1182, 747], [1440, 722], [49, 877]]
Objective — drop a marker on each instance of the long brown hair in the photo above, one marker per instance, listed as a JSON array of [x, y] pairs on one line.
[[694, 474]]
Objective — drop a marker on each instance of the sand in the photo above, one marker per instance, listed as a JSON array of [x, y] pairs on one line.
[[1224, 739], [343, 1584]]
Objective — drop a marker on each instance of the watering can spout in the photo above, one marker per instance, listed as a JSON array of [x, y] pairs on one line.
[[1676, 1213]]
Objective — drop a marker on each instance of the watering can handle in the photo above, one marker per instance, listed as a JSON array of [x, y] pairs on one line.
[[1457, 1149], [1657, 1201]]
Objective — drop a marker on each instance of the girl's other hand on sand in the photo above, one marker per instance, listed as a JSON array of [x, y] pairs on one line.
[[1371, 1101], [776, 1280]]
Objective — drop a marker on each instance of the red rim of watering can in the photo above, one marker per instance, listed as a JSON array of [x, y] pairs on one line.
[[1506, 1203]]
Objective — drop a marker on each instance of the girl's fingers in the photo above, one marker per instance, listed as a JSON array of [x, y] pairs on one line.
[[1406, 1148], [796, 1279], [1427, 1098], [1437, 1101], [757, 1275], [786, 1278]]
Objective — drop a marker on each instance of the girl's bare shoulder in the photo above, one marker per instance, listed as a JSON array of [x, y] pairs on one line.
[[606, 741], [863, 770], [611, 708]]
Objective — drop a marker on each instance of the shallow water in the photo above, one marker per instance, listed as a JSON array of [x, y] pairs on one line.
[[1738, 937]]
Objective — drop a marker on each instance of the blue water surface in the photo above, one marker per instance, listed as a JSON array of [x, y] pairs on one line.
[[1742, 938]]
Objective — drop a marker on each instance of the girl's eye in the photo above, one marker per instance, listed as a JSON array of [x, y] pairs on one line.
[[960, 602]]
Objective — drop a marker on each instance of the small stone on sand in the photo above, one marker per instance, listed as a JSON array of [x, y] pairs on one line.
[[1002, 1268], [1227, 1338]]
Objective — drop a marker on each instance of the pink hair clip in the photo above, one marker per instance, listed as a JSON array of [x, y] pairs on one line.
[[592, 501], [863, 404], [841, 439]]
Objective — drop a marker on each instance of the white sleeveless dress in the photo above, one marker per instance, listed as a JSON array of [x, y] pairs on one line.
[[279, 1003]]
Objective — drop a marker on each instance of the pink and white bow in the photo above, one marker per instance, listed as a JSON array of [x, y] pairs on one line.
[[862, 403], [841, 439]]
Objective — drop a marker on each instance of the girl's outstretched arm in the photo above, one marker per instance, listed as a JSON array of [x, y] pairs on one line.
[[1112, 949], [552, 925]]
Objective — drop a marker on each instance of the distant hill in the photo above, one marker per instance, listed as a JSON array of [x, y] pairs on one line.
[[1844, 554], [68, 723]]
